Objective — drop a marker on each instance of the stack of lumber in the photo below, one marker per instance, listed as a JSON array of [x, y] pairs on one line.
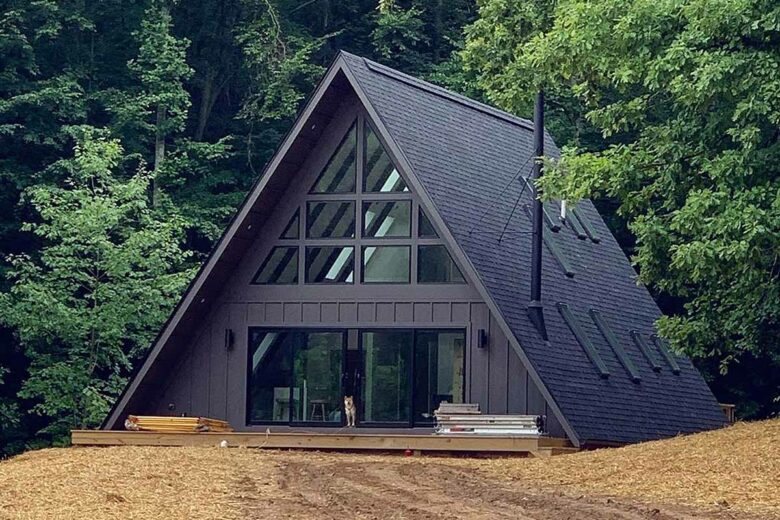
[[458, 419], [152, 423]]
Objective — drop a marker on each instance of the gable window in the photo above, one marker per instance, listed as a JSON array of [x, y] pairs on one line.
[[340, 172], [379, 174], [292, 231], [435, 265], [387, 219], [326, 219], [425, 228], [358, 222], [331, 264], [386, 264], [280, 267]]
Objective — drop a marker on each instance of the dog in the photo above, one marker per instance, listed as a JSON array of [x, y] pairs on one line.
[[350, 410]]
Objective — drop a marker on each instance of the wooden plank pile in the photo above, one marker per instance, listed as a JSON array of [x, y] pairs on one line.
[[459, 419], [152, 423]]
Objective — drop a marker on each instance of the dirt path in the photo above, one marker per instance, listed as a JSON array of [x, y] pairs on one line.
[[337, 487]]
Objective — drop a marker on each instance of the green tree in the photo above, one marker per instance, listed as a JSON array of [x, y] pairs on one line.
[[399, 37], [687, 97], [278, 59], [162, 68], [9, 412], [88, 303]]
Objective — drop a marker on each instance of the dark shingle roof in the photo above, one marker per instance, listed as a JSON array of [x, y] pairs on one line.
[[465, 154]]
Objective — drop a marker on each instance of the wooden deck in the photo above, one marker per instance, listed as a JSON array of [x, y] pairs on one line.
[[538, 447]]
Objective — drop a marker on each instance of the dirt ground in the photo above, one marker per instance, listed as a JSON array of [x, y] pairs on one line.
[[338, 486]]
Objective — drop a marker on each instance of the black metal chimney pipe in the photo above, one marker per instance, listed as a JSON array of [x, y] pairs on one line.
[[535, 308]]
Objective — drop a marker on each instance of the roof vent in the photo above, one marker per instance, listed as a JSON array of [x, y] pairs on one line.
[[661, 344], [553, 247], [576, 226], [583, 340], [615, 344], [585, 225], [645, 349]]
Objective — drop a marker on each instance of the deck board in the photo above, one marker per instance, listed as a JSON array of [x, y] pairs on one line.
[[329, 441]]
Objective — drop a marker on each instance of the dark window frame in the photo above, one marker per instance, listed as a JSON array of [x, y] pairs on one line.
[[421, 214], [298, 333], [353, 126], [366, 203], [364, 163], [296, 216], [352, 202]]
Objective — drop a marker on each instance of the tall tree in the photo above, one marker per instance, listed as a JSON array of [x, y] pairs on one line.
[[87, 304], [162, 69], [689, 91]]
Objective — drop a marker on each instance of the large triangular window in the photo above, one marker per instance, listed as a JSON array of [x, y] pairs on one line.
[[339, 174], [380, 174], [359, 222]]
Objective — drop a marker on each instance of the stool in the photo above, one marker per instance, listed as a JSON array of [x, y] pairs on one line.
[[283, 407], [317, 408]]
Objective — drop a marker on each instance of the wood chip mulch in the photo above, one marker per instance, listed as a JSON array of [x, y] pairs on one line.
[[736, 469]]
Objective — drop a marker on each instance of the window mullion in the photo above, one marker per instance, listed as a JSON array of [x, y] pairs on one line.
[[361, 159]]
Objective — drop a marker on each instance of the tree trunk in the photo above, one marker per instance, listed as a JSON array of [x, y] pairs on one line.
[[159, 152], [325, 15], [438, 37], [206, 103]]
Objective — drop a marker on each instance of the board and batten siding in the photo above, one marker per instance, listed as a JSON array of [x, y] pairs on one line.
[[210, 380]]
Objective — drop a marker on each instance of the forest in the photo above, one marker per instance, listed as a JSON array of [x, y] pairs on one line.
[[131, 130]]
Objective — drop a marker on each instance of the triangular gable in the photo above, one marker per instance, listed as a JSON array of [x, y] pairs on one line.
[[383, 177]]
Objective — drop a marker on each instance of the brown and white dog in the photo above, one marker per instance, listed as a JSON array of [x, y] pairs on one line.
[[350, 410]]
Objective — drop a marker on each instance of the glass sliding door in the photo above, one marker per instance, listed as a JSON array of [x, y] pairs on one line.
[[386, 379], [317, 367], [398, 377], [270, 371], [439, 366]]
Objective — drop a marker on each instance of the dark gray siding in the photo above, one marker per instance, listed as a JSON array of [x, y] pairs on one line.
[[210, 380]]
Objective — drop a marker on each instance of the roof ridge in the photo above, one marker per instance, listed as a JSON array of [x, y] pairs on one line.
[[442, 92]]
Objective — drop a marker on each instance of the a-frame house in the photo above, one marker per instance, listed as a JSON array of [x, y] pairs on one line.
[[385, 253]]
